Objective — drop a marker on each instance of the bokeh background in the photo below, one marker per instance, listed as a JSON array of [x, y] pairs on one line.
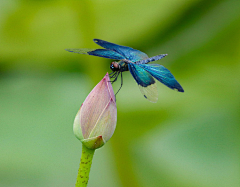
[[188, 139]]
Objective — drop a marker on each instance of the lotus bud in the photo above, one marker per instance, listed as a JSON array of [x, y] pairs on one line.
[[96, 119]]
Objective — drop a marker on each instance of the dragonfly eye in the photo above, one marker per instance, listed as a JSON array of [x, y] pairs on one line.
[[114, 66]]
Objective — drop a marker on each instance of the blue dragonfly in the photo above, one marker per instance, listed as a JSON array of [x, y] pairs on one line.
[[136, 62]]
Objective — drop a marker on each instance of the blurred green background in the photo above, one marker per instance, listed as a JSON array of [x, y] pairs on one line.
[[188, 139]]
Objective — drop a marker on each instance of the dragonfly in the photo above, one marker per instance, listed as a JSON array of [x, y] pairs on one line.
[[135, 61]]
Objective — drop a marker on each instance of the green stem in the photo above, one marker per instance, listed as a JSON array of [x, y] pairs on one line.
[[85, 166]]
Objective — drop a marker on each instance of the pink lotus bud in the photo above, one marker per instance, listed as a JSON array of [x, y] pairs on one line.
[[96, 119]]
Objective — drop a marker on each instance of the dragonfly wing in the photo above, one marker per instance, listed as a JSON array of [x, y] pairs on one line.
[[128, 52], [105, 53], [145, 81], [154, 58], [163, 75]]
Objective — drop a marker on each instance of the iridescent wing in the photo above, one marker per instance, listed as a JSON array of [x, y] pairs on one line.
[[145, 81], [105, 53], [163, 75], [128, 52]]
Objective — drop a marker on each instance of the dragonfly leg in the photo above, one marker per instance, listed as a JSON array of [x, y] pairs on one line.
[[111, 73], [121, 84], [115, 76]]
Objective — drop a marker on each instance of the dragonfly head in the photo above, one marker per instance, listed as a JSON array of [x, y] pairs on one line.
[[115, 66]]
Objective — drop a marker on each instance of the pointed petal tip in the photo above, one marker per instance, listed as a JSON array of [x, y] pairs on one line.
[[107, 77], [110, 88]]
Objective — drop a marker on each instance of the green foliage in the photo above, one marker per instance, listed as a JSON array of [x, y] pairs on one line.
[[185, 139]]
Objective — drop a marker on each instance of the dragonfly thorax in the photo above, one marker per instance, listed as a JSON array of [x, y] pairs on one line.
[[123, 65]]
